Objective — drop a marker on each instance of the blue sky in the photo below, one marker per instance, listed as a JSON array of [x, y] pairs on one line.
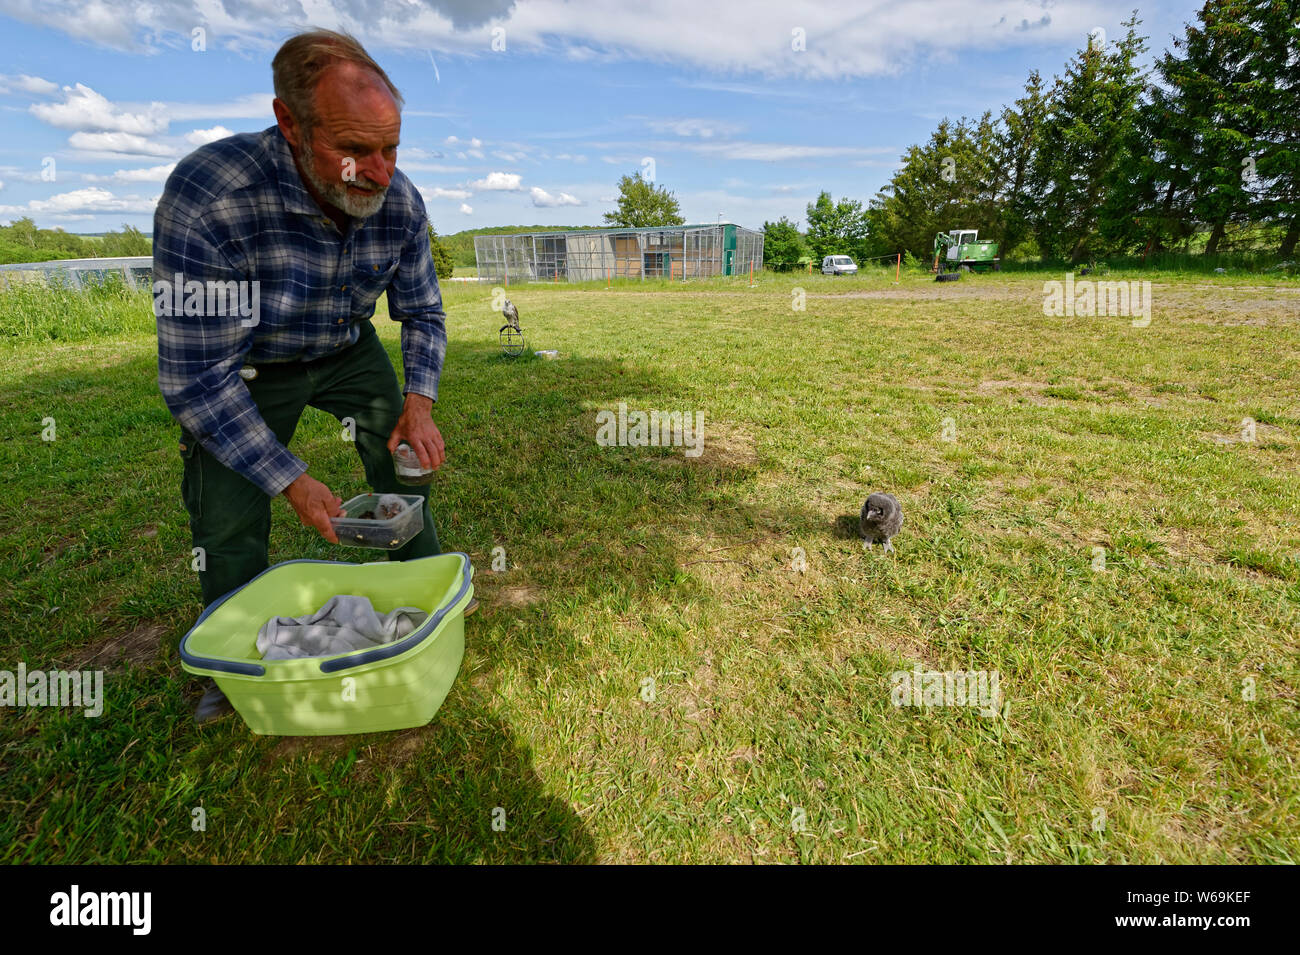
[[745, 110]]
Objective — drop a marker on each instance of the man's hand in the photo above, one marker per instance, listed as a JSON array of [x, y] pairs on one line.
[[417, 429], [315, 504]]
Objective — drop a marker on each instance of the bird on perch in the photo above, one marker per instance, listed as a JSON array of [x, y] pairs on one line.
[[511, 315]]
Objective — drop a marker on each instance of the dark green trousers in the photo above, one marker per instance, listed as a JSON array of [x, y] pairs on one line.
[[230, 517]]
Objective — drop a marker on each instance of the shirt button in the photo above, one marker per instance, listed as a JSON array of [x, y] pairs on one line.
[[339, 322], [376, 268], [343, 289]]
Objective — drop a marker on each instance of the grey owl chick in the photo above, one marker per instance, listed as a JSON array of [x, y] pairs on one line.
[[511, 315], [881, 519], [389, 506]]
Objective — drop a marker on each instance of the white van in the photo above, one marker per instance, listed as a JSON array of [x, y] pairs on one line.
[[839, 265]]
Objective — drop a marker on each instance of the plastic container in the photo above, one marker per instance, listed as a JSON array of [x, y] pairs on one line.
[[408, 467], [356, 531], [395, 686]]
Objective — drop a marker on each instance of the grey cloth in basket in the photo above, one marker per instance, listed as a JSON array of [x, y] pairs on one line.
[[346, 623]]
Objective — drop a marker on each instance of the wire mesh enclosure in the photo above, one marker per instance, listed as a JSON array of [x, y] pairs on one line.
[[672, 252], [135, 272]]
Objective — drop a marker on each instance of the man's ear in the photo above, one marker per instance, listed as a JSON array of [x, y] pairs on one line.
[[284, 119]]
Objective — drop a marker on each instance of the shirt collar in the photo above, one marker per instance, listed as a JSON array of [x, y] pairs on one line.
[[292, 191]]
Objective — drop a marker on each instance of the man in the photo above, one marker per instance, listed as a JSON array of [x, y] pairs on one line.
[[308, 222]]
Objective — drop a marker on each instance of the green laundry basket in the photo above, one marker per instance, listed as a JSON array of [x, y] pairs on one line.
[[394, 686]]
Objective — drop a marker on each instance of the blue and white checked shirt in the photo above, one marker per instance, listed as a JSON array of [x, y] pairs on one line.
[[237, 210]]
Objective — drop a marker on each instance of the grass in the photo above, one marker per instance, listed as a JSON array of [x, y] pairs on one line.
[[1150, 706]]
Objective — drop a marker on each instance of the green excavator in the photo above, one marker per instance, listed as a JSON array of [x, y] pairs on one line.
[[962, 250]]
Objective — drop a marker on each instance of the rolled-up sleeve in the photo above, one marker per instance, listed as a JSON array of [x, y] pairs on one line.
[[199, 356], [415, 300]]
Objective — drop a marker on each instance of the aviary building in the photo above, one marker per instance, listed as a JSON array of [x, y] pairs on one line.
[[671, 252]]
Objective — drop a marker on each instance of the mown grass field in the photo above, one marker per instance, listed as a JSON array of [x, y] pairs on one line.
[[1150, 707]]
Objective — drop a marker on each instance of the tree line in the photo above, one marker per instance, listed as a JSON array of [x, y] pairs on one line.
[[21, 241], [1198, 153]]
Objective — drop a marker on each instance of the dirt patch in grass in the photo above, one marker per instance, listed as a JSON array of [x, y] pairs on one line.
[[999, 384], [1106, 389], [962, 289], [1190, 303], [1264, 433], [499, 595], [1030, 391], [137, 647], [695, 705], [291, 747], [724, 447], [743, 754], [55, 549]]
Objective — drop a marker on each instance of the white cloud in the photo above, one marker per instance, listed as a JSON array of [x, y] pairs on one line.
[[775, 152], [772, 152], [431, 167], [150, 174], [544, 199], [20, 174], [437, 192], [752, 211], [82, 204], [498, 182], [452, 140], [84, 109], [703, 128], [28, 84], [201, 137], [249, 106], [467, 210], [109, 23], [737, 37], [118, 144], [571, 157], [868, 37], [742, 149], [476, 143]]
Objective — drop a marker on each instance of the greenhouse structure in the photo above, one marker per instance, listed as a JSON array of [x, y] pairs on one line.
[[670, 252], [135, 272]]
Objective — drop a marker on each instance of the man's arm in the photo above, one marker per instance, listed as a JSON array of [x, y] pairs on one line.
[[199, 356], [415, 300]]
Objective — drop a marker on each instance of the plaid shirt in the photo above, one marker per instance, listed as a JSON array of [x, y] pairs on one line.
[[237, 210]]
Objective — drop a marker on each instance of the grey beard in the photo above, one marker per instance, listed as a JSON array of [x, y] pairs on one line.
[[336, 194]]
